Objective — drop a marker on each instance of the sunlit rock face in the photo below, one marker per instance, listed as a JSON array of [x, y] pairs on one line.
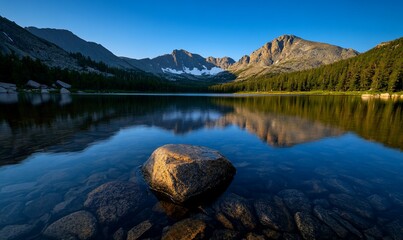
[[288, 53], [183, 171]]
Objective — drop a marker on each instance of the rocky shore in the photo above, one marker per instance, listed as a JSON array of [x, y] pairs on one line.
[[32, 86], [382, 96]]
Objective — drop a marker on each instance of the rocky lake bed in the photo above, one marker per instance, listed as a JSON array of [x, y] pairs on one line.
[[335, 207], [340, 187]]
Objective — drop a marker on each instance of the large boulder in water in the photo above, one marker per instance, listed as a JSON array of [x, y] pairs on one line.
[[184, 171]]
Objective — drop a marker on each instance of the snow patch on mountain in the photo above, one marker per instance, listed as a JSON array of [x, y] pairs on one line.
[[170, 70], [196, 72]]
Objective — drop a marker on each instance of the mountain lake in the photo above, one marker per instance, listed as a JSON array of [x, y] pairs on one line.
[[324, 167]]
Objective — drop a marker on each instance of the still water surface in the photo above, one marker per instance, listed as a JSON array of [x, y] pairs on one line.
[[335, 161]]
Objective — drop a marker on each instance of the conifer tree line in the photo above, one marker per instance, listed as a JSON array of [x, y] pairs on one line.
[[380, 69], [14, 69]]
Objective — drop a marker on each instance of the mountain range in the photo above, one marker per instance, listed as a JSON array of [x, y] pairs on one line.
[[287, 53]]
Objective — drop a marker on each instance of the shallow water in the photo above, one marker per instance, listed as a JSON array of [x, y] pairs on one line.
[[341, 155]]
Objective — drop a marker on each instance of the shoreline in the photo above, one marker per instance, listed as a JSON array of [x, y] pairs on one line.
[[363, 94], [349, 93]]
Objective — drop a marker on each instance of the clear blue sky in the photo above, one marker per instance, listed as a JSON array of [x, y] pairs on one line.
[[148, 28]]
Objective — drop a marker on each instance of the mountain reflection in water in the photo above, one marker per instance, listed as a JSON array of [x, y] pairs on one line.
[[64, 123]]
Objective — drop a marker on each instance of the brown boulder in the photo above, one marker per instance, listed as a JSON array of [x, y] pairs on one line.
[[184, 171]]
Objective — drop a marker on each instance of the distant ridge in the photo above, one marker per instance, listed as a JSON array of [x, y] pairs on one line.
[[17, 40], [73, 44]]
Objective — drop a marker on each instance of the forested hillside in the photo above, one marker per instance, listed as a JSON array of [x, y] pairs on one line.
[[380, 69], [97, 76]]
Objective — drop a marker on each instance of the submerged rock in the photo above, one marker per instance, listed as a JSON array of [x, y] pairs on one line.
[[238, 210], [311, 228], [79, 225], [272, 234], [357, 221], [254, 236], [137, 231], [373, 233], [321, 202], [171, 209], [183, 171], [225, 234], [19, 187], [188, 229], [349, 203], [339, 185], [11, 213], [326, 217], [315, 187], [273, 213], [396, 197], [295, 200], [15, 231], [306, 225], [378, 202], [120, 234], [224, 221], [347, 225], [114, 200], [290, 236], [395, 229], [42, 205]]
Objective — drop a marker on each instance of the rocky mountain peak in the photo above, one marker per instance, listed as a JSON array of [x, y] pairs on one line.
[[244, 60], [223, 63], [181, 52], [287, 37], [289, 53]]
